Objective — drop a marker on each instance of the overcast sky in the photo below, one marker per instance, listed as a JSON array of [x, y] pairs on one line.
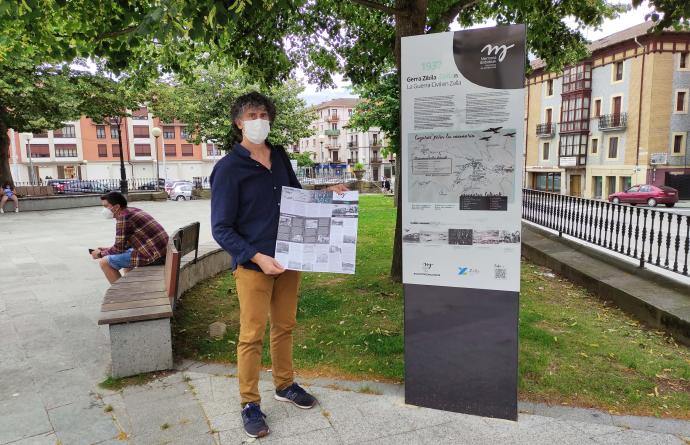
[[626, 20]]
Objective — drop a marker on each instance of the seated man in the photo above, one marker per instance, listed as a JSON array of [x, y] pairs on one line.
[[139, 239]]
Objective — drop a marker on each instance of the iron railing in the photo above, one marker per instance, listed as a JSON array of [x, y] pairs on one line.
[[613, 121], [661, 238], [81, 186], [547, 129]]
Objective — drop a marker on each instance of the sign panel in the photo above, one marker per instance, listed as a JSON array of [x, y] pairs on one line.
[[568, 161], [462, 138]]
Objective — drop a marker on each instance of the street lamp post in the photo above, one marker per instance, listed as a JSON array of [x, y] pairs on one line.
[[31, 162], [322, 138], [156, 132]]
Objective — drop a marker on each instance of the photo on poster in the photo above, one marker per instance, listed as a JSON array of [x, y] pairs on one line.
[[443, 166]]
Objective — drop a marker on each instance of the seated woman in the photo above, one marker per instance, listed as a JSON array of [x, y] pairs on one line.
[[7, 194]]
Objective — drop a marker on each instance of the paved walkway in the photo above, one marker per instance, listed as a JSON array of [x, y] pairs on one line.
[[53, 355]]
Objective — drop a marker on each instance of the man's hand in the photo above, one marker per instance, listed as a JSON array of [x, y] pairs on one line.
[[338, 188], [96, 254], [269, 265]]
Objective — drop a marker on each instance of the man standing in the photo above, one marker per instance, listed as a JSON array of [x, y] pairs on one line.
[[139, 239], [246, 188]]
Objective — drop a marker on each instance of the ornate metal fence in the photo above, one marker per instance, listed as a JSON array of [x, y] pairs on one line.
[[657, 237]]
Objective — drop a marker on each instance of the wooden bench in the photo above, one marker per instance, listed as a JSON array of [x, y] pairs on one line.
[[138, 308]]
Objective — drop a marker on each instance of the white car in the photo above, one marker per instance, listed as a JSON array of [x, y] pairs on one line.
[[181, 192]]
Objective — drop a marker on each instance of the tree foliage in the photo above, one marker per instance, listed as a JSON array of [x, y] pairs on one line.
[[204, 105]]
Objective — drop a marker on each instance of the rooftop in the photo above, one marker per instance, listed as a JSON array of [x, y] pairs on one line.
[[349, 102]]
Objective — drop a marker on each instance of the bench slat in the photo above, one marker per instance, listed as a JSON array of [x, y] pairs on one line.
[[145, 271], [138, 286], [136, 314], [108, 307], [133, 296]]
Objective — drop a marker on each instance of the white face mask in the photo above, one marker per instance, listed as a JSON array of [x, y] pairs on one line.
[[107, 213], [256, 130]]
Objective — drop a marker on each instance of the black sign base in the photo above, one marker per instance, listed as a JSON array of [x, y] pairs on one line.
[[461, 350]]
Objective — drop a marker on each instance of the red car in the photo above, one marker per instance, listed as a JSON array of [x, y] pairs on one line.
[[646, 194]]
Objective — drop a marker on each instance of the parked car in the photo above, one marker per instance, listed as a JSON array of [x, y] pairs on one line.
[[58, 185], [181, 192], [646, 194], [173, 182], [87, 187], [151, 185]]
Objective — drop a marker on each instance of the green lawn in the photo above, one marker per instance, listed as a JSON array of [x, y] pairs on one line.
[[573, 348]]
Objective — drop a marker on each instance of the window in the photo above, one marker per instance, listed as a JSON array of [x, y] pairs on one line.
[[38, 150], [548, 182], [102, 149], [349, 112], [626, 182], [577, 78], [597, 187], [376, 138], [595, 146], [549, 116], [65, 132], [100, 131], [684, 61], [170, 150], [573, 145], [334, 126], [618, 71], [678, 144], [116, 150], [613, 148], [65, 151], [575, 113], [183, 133], [169, 132], [187, 150], [142, 149], [611, 184], [545, 151], [597, 107], [681, 99], [141, 131], [213, 150], [549, 88], [646, 188], [114, 132], [633, 189]]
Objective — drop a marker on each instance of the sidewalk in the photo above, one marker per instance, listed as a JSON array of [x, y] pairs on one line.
[[199, 404]]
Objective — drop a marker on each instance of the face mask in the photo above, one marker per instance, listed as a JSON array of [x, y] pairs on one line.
[[257, 130], [107, 213]]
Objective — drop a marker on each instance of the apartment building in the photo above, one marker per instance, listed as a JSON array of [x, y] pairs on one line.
[[85, 149], [334, 146], [617, 118]]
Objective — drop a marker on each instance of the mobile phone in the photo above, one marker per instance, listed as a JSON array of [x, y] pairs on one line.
[[90, 250]]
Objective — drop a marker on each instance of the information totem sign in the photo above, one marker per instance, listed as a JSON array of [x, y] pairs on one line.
[[462, 142]]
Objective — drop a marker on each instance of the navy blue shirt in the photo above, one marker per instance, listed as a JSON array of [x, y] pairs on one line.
[[245, 203]]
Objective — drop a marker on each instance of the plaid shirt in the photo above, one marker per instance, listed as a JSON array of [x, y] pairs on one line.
[[138, 230]]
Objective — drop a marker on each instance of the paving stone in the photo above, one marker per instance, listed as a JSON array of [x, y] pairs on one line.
[[119, 412], [15, 380], [633, 437], [322, 437], [669, 426], [41, 439], [82, 422], [63, 387], [22, 417]]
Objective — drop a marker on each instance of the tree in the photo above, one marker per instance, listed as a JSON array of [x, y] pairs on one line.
[[360, 38], [203, 102], [35, 98], [303, 159]]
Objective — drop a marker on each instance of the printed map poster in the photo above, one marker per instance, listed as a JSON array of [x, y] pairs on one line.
[[462, 142], [317, 231]]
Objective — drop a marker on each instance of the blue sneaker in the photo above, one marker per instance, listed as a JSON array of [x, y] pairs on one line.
[[253, 419], [296, 395]]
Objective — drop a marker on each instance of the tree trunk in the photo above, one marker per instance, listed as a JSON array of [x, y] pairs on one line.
[[5, 171], [410, 24]]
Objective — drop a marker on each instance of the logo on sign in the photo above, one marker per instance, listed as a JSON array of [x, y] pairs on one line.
[[426, 270], [500, 50], [466, 271]]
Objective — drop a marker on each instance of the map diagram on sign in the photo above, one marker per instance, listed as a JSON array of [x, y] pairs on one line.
[[444, 166]]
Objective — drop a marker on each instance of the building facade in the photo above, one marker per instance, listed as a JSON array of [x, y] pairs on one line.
[[335, 146], [85, 149], [615, 119]]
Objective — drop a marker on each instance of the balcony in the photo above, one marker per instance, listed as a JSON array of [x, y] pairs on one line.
[[376, 144], [376, 160], [546, 130], [351, 161], [332, 132], [611, 122], [332, 147], [333, 118], [351, 145]]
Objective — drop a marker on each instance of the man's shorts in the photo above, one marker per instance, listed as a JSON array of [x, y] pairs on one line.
[[121, 260]]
